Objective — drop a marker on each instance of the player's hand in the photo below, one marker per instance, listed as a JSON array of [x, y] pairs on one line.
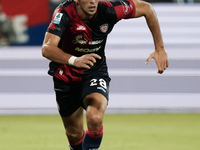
[[161, 60], [86, 61]]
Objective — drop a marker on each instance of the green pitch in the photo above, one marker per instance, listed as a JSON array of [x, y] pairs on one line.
[[127, 132]]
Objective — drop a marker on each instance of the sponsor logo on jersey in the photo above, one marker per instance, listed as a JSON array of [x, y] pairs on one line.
[[81, 39], [80, 27], [57, 18], [104, 28], [95, 42], [87, 50]]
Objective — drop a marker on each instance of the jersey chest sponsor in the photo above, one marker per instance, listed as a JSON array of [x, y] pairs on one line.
[[87, 50], [82, 39]]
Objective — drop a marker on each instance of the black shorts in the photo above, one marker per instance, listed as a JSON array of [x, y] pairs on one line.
[[70, 97]]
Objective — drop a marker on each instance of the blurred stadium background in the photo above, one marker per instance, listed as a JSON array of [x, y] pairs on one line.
[[135, 88]]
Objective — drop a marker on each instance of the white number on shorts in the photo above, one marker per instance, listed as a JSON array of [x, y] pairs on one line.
[[102, 83], [93, 82]]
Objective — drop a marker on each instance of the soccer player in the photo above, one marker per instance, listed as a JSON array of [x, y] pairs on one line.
[[74, 42]]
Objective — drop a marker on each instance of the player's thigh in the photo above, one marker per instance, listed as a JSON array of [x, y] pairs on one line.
[[95, 104]]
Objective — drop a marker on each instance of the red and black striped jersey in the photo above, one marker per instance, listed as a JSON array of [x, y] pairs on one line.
[[80, 37]]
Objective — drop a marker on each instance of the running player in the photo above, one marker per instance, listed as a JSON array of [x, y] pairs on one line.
[[74, 42]]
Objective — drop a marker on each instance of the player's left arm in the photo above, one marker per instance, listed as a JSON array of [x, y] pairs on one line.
[[159, 55]]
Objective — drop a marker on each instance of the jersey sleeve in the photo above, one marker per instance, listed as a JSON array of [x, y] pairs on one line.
[[59, 23], [124, 9]]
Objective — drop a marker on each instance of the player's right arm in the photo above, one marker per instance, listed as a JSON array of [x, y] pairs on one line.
[[53, 53]]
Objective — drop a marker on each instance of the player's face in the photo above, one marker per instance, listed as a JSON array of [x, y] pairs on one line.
[[88, 8]]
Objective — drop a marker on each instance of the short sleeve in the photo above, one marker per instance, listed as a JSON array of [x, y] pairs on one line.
[[59, 23], [124, 9]]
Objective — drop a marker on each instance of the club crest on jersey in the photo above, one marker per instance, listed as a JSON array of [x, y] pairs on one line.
[[57, 18], [104, 28]]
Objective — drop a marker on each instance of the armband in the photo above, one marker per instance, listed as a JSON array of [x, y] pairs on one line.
[[71, 60]]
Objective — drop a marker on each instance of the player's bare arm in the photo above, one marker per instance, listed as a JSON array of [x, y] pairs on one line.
[[159, 55], [53, 53]]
